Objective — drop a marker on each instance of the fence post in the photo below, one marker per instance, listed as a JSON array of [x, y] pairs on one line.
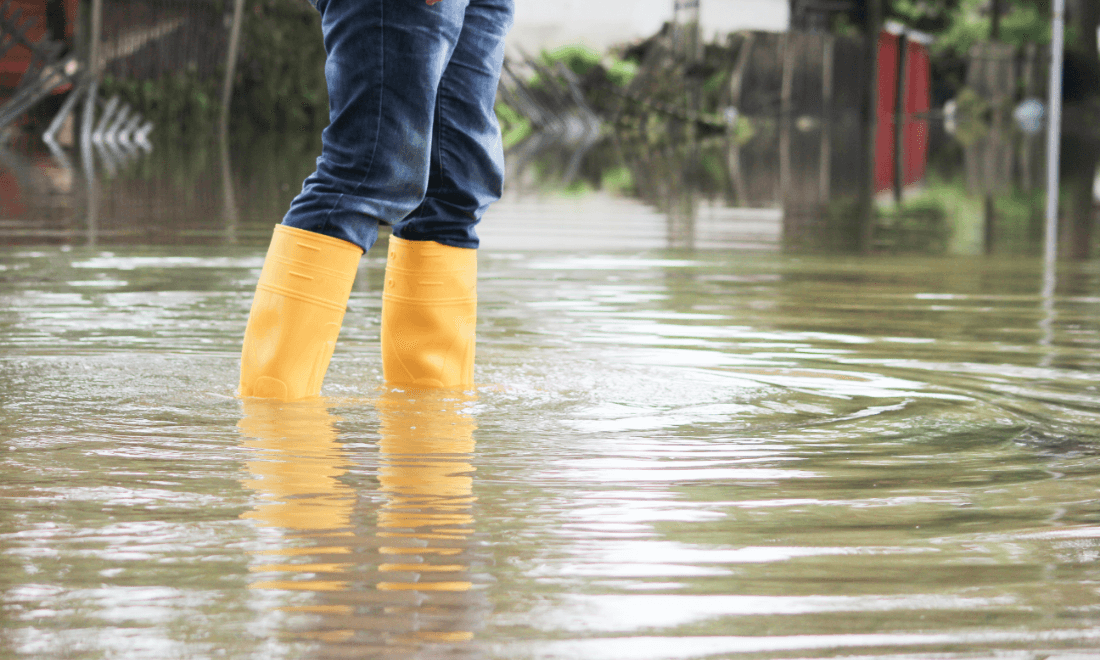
[[788, 51], [87, 120], [871, 29], [95, 38], [900, 116], [738, 78], [825, 166]]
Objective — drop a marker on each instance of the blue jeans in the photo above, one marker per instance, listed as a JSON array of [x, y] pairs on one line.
[[413, 140]]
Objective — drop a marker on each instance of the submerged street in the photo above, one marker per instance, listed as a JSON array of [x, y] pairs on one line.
[[669, 454]]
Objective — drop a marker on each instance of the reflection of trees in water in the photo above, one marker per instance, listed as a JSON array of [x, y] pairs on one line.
[[399, 587]]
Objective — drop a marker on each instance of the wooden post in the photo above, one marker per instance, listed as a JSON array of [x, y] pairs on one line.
[[990, 232], [229, 197], [230, 210], [1027, 155], [231, 62], [95, 38], [786, 110], [738, 77], [87, 121], [737, 175], [900, 116], [789, 46], [995, 20], [825, 165], [866, 219]]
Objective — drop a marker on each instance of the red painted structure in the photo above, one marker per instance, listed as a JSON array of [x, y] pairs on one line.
[[917, 99], [12, 66], [15, 62]]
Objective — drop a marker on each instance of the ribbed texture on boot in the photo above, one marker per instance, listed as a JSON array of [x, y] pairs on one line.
[[429, 313], [296, 315]]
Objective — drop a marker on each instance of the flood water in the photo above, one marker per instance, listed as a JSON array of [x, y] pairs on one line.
[[670, 453]]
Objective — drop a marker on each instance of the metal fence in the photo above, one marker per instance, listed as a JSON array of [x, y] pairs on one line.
[[148, 39]]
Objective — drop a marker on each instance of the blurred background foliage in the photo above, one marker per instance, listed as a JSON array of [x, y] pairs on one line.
[[959, 25], [280, 82], [281, 73], [182, 103], [279, 86]]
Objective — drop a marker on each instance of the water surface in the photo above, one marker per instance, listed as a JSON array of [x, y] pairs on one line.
[[670, 454]]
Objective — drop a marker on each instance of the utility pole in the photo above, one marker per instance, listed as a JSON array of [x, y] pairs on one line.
[[1054, 129]]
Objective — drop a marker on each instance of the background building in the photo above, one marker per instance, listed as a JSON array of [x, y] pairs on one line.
[[541, 24]]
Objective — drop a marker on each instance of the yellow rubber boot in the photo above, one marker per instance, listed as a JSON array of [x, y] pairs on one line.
[[429, 310], [296, 314]]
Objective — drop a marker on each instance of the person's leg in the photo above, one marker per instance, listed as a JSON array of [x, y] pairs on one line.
[[467, 156], [385, 61], [429, 305]]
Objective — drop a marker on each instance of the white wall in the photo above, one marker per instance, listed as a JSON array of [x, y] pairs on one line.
[[601, 23], [724, 16]]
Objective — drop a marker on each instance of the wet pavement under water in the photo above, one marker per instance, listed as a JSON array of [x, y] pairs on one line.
[[669, 454]]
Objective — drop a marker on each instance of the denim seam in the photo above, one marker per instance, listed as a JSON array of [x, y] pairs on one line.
[[378, 124]]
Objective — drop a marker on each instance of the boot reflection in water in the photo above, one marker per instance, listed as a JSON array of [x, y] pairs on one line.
[[417, 589], [296, 471], [399, 151], [426, 521]]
